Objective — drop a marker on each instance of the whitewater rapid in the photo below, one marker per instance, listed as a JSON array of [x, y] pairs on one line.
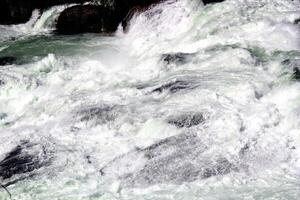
[[91, 99]]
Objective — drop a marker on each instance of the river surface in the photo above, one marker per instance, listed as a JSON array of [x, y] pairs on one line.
[[90, 100]]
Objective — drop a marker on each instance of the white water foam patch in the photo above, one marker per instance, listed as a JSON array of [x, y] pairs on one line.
[[150, 27], [266, 33]]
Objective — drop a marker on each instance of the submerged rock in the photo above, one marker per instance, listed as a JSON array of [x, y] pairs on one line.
[[294, 65], [97, 115], [175, 160], [296, 73], [187, 120], [176, 58], [19, 11], [175, 86], [24, 158], [7, 60], [2, 82], [2, 115]]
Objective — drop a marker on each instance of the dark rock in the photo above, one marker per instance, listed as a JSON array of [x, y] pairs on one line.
[[2, 82], [7, 60], [100, 18], [87, 18], [15, 11], [187, 120], [211, 1], [3, 116], [294, 65], [88, 158], [24, 158], [125, 6], [175, 160], [175, 86], [176, 58], [297, 21], [296, 73], [19, 11], [286, 62], [258, 95]]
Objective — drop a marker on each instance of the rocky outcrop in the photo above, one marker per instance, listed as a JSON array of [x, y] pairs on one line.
[[87, 18], [7, 60], [19, 11], [103, 18]]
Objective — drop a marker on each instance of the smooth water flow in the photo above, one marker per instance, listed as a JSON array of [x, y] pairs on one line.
[[192, 102]]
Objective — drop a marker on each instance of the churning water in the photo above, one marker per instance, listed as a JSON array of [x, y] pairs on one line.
[[192, 102]]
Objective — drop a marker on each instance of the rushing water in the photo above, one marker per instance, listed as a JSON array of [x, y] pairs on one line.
[[91, 99]]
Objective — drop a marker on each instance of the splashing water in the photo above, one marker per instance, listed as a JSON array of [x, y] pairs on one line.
[[223, 74]]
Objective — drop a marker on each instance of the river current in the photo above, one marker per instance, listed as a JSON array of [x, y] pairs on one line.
[[222, 74]]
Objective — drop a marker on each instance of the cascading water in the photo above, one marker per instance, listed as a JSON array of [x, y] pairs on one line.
[[192, 102]]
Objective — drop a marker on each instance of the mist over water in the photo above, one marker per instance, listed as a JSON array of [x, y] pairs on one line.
[[223, 74]]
